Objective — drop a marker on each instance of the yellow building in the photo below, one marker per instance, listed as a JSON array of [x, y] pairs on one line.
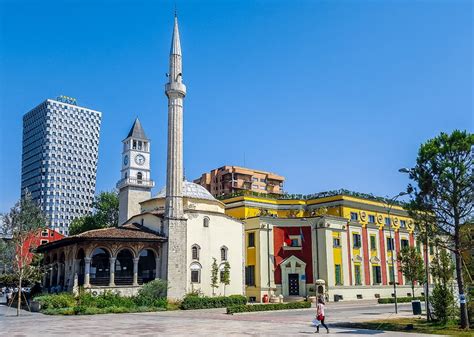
[[338, 243]]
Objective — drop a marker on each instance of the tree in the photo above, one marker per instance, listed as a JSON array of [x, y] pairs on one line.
[[214, 273], [442, 268], [444, 174], [84, 224], [225, 276], [24, 220], [106, 206], [104, 215], [412, 266]]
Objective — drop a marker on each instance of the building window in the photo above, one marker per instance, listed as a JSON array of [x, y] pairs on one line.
[[377, 274], [373, 243], [391, 274], [44, 233], [404, 243], [195, 273], [295, 240], [403, 224], [390, 244], [418, 247], [356, 240], [206, 221], [195, 252], [139, 176], [354, 216], [43, 242], [224, 254], [250, 276], [337, 269], [358, 280], [388, 221], [371, 218], [251, 239], [336, 242]]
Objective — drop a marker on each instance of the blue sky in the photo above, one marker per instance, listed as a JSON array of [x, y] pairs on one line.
[[330, 94]]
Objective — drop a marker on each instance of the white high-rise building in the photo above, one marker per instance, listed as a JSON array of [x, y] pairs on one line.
[[59, 160]]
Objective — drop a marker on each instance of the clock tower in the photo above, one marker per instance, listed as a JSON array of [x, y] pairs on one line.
[[135, 183]]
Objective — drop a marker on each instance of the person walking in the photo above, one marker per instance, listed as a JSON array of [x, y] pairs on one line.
[[320, 315]]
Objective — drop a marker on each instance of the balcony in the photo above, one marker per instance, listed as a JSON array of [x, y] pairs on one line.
[[132, 181]]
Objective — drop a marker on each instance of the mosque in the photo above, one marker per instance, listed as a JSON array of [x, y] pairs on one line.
[[175, 235]]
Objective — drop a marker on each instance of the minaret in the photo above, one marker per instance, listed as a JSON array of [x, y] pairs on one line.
[[175, 221], [135, 183]]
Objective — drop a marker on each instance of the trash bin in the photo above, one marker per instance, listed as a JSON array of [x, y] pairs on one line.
[[416, 306]]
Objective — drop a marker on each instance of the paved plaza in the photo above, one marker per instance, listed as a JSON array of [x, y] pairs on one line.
[[213, 322]]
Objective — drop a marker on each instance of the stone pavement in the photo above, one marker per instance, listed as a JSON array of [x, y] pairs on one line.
[[212, 322]]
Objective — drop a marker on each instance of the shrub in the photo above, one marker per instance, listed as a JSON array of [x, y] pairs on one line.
[[267, 307], [153, 294], [62, 300], [155, 289], [400, 299], [195, 302], [443, 303]]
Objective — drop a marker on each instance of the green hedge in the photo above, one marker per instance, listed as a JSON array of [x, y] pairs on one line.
[[267, 307], [107, 302], [400, 299], [197, 302]]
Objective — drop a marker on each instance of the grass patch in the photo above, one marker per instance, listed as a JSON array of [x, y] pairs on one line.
[[414, 325]]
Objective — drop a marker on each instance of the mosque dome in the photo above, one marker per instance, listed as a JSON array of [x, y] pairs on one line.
[[190, 190]]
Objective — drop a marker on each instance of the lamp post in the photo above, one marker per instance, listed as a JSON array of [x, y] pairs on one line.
[[389, 209], [427, 260]]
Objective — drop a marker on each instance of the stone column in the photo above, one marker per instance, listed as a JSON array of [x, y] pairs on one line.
[[157, 268], [135, 271], [58, 276], [87, 270], [45, 275], [51, 274], [112, 271]]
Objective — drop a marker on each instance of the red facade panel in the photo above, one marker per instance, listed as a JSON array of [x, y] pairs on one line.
[[349, 254], [282, 235], [365, 246], [383, 257], [397, 249]]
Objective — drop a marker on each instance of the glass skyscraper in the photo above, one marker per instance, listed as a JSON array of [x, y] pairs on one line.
[[59, 161]]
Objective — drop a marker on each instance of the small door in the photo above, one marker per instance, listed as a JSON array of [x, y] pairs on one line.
[[293, 284]]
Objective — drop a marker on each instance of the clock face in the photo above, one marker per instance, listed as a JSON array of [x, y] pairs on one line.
[[125, 160], [139, 159]]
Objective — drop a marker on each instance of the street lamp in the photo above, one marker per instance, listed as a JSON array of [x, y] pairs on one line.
[[427, 261], [390, 204]]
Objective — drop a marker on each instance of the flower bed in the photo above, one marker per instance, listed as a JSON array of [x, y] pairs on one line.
[[267, 307]]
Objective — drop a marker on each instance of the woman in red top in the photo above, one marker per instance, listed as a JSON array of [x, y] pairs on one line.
[[320, 314]]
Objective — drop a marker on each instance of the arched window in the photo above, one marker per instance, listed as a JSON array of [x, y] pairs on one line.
[[195, 272], [146, 266], [139, 176], [124, 267], [195, 252], [206, 221], [224, 253], [99, 272]]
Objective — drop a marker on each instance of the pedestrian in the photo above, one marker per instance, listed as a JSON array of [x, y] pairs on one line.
[[320, 316]]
